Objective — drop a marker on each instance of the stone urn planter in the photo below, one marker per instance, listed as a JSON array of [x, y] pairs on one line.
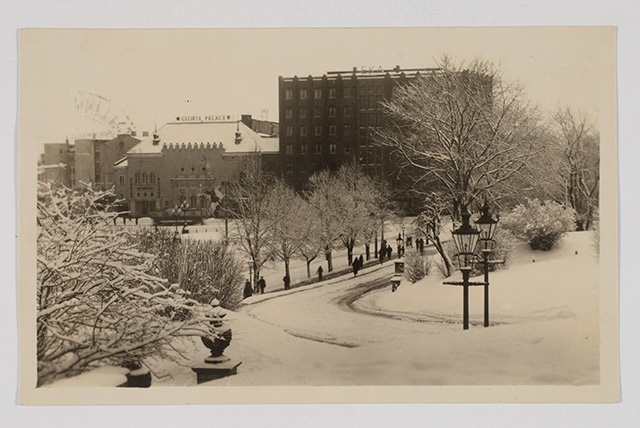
[[216, 365]]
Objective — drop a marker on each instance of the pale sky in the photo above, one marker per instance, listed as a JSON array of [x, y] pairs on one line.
[[152, 76]]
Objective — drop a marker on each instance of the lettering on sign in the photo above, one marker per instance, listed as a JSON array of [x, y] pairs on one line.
[[371, 69], [205, 118]]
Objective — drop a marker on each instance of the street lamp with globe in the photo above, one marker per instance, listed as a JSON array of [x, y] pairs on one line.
[[487, 226]]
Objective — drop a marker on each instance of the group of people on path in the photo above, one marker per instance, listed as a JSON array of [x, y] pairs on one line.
[[260, 286]]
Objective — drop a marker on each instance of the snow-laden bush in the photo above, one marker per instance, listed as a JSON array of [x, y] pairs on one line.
[[207, 270], [97, 302], [417, 266], [541, 224]]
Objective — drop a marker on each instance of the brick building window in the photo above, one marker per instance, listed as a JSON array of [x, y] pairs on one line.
[[347, 148], [332, 148], [121, 179], [332, 111], [317, 112], [332, 93], [348, 92], [303, 113], [303, 149], [144, 178], [288, 94], [317, 93], [289, 149], [289, 130], [288, 114], [346, 130], [318, 148], [318, 130], [332, 130], [303, 94], [346, 111], [303, 130], [137, 177]]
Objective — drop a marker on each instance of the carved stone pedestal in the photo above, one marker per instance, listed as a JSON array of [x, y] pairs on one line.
[[215, 370]]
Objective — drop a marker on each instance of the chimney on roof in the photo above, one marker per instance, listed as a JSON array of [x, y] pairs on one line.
[[156, 139], [246, 119]]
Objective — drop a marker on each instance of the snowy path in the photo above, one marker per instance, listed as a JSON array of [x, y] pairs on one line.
[[325, 313], [545, 330]]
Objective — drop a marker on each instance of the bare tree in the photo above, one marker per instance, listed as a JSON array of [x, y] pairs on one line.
[[577, 146], [253, 213], [286, 208], [310, 242], [429, 224], [323, 200], [463, 129]]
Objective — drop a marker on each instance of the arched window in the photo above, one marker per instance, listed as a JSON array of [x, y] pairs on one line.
[[137, 178], [144, 178], [152, 178]]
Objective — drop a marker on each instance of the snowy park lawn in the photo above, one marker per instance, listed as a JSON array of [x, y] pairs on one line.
[[545, 331]]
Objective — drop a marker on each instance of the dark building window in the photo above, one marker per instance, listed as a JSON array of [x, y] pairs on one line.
[[317, 93], [332, 130], [303, 131], [346, 111], [348, 92], [303, 149], [318, 130], [289, 149], [303, 94], [288, 94], [347, 130], [288, 114], [121, 179], [317, 112], [303, 113], [289, 168], [332, 148], [152, 178], [318, 148], [332, 111], [347, 148], [289, 130], [137, 176], [332, 93]]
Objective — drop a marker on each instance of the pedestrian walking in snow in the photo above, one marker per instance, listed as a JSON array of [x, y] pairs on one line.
[[361, 261], [287, 282], [356, 266], [262, 284], [248, 290], [389, 252], [381, 254], [319, 272]]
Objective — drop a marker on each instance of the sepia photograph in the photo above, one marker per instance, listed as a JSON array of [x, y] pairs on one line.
[[343, 215]]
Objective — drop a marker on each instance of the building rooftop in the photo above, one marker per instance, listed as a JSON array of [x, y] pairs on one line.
[[194, 131]]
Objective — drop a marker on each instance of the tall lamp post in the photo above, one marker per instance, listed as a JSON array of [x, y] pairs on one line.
[[487, 226], [399, 242]]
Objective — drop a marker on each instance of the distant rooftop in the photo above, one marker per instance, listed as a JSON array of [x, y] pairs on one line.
[[197, 130]]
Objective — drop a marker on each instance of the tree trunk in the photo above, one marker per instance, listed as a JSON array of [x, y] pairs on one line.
[[443, 254], [286, 267], [350, 254], [367, 250], [308, 268]]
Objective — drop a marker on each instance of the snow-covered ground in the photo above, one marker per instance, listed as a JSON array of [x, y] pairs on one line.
[[545, 330]]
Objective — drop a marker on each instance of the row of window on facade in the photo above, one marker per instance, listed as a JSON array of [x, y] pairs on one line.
[[317, 112], [347, 92], [318, 149], [367, 123]]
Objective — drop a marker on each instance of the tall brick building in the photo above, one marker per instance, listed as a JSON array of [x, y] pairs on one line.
[[327, 121]]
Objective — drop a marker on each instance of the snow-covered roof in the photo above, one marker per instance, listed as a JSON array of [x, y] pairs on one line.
[[208, 133]]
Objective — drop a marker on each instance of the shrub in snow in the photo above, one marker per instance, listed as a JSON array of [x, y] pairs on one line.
[[541, 224], [207, 270], [417, 266], [97, 302]]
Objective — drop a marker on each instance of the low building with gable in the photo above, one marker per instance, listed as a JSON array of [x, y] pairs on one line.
[[190, 161]]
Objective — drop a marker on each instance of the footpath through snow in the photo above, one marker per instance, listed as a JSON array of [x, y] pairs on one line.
[[545, 330]]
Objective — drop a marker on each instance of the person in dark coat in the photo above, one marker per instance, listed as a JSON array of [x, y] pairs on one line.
[[287, 282], [356, 266], [361, 261], [262, 284], [319, 272], [381, 254], [248, 290], [389, 252]]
